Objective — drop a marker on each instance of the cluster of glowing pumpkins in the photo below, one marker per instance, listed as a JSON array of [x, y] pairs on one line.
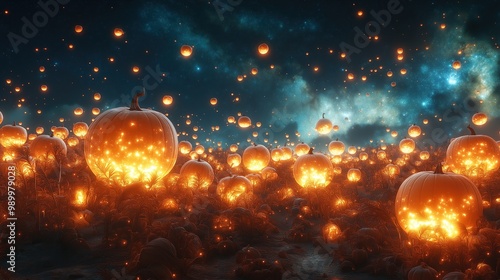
[[126, 145]]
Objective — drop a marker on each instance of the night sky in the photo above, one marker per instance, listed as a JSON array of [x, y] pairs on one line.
[[302, 76]]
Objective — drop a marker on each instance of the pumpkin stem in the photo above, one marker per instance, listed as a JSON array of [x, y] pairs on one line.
[[337, 139], [323, 115], [134, 105], [439, 169], [472, 131], [310, 151]]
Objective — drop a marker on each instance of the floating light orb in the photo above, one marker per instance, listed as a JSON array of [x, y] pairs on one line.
[[263, 49], [186, 50]]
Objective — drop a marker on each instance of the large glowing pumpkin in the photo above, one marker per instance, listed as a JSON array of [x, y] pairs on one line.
[[127, 145], [435, 205], [196, 174], [324, 126], [256, 157], [313, 170], [473, 155], [13, 136]]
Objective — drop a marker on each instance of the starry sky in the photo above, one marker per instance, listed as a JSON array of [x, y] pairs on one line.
[[332, 57]]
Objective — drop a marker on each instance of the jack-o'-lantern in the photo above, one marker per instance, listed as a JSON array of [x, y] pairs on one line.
[[436, 205], [256, 157], [196, 174], [128, 145], [324, 126], [313, 170], [473, 155], [336, 147]]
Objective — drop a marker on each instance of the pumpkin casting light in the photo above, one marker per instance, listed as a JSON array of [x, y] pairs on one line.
[[256, 157], [435, 205], [473, 155], [128, 145], [313, 170], [324, 126], [13, 136], [196, 174], [336, 147], [407, 145], [231, 188]]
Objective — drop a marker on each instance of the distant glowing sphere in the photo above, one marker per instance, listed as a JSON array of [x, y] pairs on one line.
[[479, 118], [324, 126], [78, 111], [244, 121], [185, 147], [256, 157], [118, 32], [263, 48], [96, 111], [97, 96], [407, 145], [44, 88], [336, 147], [414, 131], [456, 65], [354, 175], [213, 101], [168, 99], [78, 28], [186, 50], [80, 129]]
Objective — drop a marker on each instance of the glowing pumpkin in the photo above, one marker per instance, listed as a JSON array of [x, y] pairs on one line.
[[436, 205], [425, 155], [313, 170], [46, 147], [263, 48], [61, 132], [256, 157], [13, 136], [352, 150], [456, 64], [185, 147], [129, 145], [276, 154], [479, 118], [324, 126], [414, 131], [407, 145], [354, 175], [80, 129], [331, 232], [186, 50], [336, 147], [302, 149], [363, 156], [244, 122], [286, 153], [1, 117], [231, 188], [196, 174], [381, 155], [391, 170], [473, 155]]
